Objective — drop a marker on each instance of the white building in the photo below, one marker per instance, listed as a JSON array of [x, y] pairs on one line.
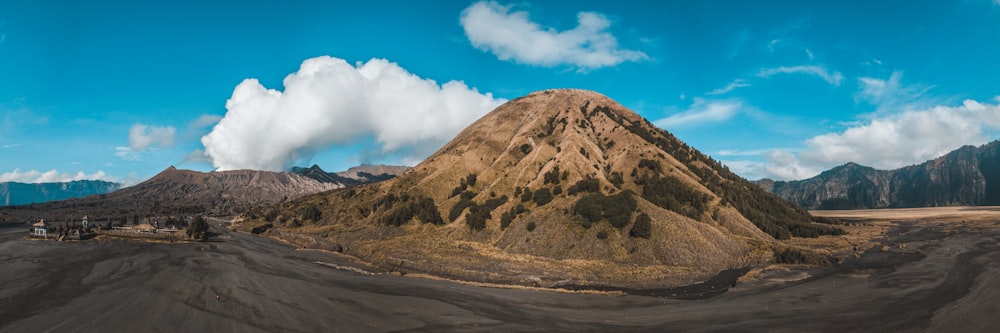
[[41, 229]]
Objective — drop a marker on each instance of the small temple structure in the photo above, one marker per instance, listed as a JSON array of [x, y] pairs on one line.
[[41, 229]]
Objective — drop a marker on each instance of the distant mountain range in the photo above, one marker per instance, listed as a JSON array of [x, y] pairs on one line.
[[968, 176], [358, 175], [14, 193], [175, 192]]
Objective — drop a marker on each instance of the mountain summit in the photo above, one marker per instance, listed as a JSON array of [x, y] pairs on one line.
[[559, 185]]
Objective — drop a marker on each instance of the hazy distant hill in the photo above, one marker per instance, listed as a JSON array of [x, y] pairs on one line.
[[358, 175], [967, 176], [560, 185], [14, 193]]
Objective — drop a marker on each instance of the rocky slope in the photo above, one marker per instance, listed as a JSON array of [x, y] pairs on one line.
[[967, 176], [14, 193], [560, 186]]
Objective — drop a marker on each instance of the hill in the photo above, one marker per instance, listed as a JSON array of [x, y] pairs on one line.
[[14, 193], [175, 192], [560, 186], [354, 176], [968, 176]]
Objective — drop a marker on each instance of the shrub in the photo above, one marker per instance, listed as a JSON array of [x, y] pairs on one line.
[[616, 179], [810, 231], [642, 228], [543, 196], [505, 219], [530, 226], [651, 165], [672, 194], [422, 208], [312, 213], [476, 218], [198, 228], [552, 176], [790, 256], [526, 195], [557, 190], [602, 234], [826, 220], [478, 214], [525, 148], [463, 184], [617, 209], [457, 209], [585, 185]]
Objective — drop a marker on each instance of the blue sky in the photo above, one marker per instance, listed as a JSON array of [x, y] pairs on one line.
[[121, 90]]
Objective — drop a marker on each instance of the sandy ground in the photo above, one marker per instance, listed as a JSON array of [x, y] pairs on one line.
[[928, 274]]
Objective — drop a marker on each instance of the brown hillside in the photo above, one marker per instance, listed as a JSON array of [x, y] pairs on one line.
[[560, 186]]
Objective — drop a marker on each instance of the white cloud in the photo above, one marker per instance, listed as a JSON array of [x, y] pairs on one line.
[[738, 83], [197, 156], [127, 154], [11, 145], [890, 142], [772, 43], [328, 102], [513, 36], [142, 137], [890, 95], [783, 165], [51, 176], [752, 152], [834, 78], [700, 112], [205, 120]]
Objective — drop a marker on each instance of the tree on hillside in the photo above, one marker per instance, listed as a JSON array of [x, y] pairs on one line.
[[643, 227], [198, 228]]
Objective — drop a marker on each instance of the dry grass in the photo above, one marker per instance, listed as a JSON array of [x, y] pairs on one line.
[[869, 227], [965, 213]]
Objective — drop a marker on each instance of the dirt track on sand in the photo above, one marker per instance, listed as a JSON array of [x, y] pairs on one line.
[[936, 275]]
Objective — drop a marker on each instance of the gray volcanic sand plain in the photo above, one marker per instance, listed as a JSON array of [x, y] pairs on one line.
[[934, 274]]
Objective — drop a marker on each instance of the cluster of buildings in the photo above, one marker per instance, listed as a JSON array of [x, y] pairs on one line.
[[84, 230]]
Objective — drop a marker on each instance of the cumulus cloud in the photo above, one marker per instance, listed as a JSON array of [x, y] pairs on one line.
[[51, 176], [890, 142], [513, 36], [329, 102], [142, 137], [702, 111], [834, 78]]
